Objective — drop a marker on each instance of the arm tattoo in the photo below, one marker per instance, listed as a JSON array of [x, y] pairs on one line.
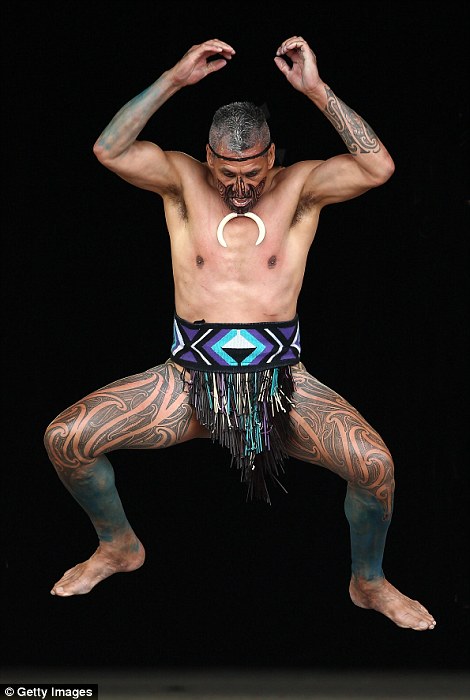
[[127, 124], [355, 132]]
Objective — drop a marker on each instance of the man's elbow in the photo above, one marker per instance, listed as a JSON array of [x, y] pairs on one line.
[[385, 172], [100, 151], [389, 168], [104, 156]]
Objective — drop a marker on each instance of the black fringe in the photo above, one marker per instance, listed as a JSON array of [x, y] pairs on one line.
[[248, 413]]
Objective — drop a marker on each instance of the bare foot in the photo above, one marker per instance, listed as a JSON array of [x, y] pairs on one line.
[[380, 595], [108, 559]]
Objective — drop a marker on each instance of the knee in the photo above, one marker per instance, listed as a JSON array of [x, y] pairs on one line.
[[375, 482], [55, 441], [386, 461], [376, 473], [62, 443]]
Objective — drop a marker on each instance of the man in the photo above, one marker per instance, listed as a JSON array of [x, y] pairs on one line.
[[240, 230]]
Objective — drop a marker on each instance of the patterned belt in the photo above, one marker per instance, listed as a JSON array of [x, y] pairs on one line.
[[235, 347]]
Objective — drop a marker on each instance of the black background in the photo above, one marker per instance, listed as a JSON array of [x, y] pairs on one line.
[[88, 298]]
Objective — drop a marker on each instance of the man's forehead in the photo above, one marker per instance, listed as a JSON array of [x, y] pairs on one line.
[[240, 159]]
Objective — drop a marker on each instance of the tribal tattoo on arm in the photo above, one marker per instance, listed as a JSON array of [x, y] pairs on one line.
[[355, 132]]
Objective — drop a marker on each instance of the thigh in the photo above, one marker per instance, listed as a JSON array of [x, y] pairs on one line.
[[148, 410], [327, 430]]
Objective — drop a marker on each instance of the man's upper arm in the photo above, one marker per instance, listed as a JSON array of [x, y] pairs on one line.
[[144, 165], [340, 178]]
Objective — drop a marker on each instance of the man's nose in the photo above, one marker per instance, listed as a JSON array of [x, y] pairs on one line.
[[240, 187]]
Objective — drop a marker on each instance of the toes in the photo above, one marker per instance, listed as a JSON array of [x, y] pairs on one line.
[[421, 626], [421, 623]]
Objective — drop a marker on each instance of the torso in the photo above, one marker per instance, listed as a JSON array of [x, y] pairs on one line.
[[243, 282]]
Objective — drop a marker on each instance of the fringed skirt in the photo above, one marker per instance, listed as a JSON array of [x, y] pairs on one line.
[[240, 384]]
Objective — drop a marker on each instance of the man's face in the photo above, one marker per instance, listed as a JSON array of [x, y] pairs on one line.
[[241, 184]]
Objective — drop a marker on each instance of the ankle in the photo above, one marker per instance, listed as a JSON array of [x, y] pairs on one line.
[[367, 583], [119, 540]]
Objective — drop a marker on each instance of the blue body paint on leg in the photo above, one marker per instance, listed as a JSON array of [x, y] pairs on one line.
[[368, 524], [93, 487]]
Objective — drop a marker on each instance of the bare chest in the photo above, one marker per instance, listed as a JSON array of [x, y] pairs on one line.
[[239, 247]]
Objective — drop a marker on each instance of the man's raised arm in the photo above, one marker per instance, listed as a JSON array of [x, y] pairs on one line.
[[141, 162], [369, 163]]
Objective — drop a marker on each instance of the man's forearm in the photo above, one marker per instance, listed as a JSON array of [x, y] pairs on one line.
[[127, 124], [356, 133], [360, 139]]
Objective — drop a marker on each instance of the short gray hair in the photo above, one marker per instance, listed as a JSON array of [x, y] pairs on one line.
[[239, 126]]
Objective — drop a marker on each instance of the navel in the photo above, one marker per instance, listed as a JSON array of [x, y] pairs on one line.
[[199, 261], [272, 261]]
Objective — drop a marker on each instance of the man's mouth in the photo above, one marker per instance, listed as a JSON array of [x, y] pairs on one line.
[[240, 206]]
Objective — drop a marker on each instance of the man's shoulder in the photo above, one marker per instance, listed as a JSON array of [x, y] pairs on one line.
[[299, 168], [184, 160], [294, 176], [190, 169]]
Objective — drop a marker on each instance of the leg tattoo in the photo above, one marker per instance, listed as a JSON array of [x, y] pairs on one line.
[[143, 411], [147, 410], [328, 431]]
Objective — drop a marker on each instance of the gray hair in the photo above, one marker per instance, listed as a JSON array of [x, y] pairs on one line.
[[239, 126]]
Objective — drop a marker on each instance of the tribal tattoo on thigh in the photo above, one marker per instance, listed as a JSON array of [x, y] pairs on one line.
[[327, 430], [147, 410]]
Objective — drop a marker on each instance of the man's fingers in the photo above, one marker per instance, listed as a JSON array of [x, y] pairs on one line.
[[281, 64], [216, 64], [219, 47], [292, 44]]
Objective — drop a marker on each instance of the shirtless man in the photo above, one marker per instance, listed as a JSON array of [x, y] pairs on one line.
[[240, 230]]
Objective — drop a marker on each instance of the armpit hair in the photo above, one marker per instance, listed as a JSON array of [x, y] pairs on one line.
[[176, 196], [305, 204]]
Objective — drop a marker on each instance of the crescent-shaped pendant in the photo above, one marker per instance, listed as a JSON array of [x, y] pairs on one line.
[[221, 226], [259, 222]]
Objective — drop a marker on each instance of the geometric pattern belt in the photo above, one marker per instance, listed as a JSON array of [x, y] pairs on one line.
[[235, 347]]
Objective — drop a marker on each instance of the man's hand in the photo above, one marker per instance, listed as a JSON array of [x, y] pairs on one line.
[[195, 63], [303, 74]]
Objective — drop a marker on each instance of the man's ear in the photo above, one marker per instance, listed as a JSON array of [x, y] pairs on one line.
[[271, 155], [209, 156]]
